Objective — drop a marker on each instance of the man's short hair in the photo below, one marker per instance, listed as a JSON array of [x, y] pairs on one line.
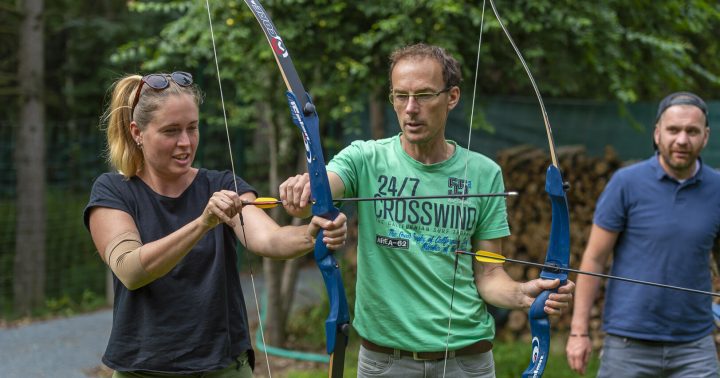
[[682, 98], [452, 74]]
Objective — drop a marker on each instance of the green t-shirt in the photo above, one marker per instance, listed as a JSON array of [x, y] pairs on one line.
[[406, 248]]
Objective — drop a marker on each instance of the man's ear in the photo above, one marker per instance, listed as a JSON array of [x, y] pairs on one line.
[[656, 135], [453, 97]]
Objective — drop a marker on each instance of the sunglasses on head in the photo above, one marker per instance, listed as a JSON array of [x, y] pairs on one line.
[[160, 81]]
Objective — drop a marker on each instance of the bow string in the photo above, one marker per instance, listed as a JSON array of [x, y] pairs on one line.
[[558, 249], [557, 257]]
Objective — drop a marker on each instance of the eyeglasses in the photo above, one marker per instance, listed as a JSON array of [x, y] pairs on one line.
[[399, 98], [160, 81]]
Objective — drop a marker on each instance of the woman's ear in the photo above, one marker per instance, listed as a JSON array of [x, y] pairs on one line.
[[136, 133]]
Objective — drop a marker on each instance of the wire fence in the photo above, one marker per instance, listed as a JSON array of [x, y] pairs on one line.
[[76, 276]]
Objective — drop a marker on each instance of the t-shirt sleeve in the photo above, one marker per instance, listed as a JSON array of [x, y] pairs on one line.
[[493, 222], [346, 165], [105, 193], [242, 186], [610, 211]]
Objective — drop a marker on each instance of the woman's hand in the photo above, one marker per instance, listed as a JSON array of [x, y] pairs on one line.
[[222, 207]]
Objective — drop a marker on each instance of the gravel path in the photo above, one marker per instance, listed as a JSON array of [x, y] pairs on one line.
[[57, 348], [72, 347]]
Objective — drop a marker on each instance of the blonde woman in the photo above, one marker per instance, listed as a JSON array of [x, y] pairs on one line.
[[168, 231]]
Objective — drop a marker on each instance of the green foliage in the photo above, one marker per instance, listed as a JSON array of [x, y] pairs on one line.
[[75, 275], [608, 49], [80, 37], [10, 18], [68, 306], [159, 7]]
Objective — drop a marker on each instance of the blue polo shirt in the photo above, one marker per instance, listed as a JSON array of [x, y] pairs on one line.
[[666, 233]]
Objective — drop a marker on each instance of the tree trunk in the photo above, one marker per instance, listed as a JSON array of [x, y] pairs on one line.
[[377, 115], [275, 333], [292, 267], [29, 269]]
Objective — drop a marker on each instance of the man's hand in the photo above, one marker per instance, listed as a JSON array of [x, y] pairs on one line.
[[335, 231], [578, 350], [296, 196], [556, 302]]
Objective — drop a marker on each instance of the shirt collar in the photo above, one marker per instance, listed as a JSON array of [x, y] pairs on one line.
[[660, 172]]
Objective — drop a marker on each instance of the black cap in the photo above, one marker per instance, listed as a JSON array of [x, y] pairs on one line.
[[680, 98]]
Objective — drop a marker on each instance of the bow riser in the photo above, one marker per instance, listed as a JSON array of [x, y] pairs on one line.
[[558, 251], [323, 206], [337, 325], [558, 255]]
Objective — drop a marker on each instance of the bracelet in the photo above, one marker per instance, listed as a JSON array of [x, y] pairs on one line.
[[579, 335]]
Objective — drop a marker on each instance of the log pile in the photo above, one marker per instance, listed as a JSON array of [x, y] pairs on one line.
[[529, 215]]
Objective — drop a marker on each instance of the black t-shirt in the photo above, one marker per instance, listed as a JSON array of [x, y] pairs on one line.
[[193, 319]]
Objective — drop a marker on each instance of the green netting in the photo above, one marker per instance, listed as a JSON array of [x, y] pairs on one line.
[[74, 157], [595, 125]]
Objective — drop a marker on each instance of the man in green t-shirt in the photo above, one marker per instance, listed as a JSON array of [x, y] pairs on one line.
[[406, 274]]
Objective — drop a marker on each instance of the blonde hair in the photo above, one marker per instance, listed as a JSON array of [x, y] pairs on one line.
[[123, 153]]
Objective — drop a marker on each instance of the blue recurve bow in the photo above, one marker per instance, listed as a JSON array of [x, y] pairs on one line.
[[557, 257], [305, 117]]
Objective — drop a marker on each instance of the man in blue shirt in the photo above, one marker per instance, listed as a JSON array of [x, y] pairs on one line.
[[658, 219]]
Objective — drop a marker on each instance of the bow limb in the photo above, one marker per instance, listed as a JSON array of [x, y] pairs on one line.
[[305, 117], [558, 250]]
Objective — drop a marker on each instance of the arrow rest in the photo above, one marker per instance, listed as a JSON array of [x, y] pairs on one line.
[[554, 268]]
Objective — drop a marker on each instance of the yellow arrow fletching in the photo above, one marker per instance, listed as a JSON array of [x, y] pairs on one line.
[[265, 202], [489, 257]]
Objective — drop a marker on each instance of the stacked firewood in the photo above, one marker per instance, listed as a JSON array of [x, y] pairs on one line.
[[529, 215]]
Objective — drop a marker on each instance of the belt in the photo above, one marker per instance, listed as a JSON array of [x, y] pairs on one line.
[[649, 342], [481, 346]]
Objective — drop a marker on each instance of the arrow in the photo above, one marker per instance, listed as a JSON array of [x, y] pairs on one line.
[[270, 202], [491, 257]]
